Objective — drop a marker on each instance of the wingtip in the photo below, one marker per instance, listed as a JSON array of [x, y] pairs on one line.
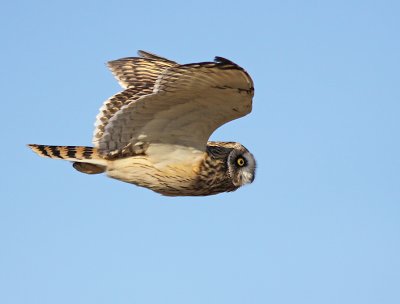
[[223, 60], [142, 53], [145, 54], [149, 55]]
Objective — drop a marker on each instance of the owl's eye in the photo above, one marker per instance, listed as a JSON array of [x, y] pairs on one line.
[[240, 161]]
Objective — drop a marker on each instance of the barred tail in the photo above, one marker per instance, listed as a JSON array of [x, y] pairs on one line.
[[86, 159]]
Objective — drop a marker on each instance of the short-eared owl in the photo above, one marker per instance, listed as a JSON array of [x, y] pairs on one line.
[[155, 133]]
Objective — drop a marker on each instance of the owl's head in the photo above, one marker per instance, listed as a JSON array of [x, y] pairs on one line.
[[241, 166]]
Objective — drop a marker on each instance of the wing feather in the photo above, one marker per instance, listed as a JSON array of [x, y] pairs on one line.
[[139, 71], [112, 106], [189, 102], [138, 76]]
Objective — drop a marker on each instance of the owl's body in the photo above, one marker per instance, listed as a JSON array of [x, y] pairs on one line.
[[154, 134], [171, 175]]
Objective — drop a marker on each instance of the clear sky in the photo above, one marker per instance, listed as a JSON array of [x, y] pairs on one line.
[[320, 224]]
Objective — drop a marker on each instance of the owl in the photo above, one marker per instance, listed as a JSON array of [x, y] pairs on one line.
[[155, 132]]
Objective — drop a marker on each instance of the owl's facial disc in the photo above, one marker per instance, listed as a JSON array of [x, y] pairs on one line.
[[242, 166]]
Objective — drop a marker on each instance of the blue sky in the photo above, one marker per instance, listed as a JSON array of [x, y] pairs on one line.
[[320, 224]]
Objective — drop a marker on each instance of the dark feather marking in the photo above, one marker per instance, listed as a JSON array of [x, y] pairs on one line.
[[43, 150], [223, 60], [55, 151], [87, 152], [71, 152], [222, 87]]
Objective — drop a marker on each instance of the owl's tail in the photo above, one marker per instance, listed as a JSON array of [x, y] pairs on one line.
[[85, 159]]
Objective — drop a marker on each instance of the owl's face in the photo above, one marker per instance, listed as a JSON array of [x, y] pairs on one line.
[[241, 166]]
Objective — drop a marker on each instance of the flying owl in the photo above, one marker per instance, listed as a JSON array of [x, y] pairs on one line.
[[155, 132]]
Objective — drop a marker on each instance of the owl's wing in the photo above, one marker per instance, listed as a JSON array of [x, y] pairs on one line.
[[140, 71], [138, 75], [112, 106], [188, 103]]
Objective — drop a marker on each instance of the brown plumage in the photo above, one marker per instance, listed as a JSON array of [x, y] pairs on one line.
[[86, 159], [155, 133], [66, 152]]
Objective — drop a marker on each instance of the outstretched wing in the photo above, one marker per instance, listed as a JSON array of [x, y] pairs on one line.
[[188, 103], [138, 75], [112, 106], [140, 71]]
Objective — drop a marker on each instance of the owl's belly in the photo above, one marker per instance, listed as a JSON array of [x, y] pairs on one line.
[[170, 179]]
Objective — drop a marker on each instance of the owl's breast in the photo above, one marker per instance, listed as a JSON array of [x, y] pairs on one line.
[[169, 170]]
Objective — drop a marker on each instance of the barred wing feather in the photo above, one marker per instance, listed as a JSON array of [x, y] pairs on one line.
[[188, 103], [138, 76], [139, 71]]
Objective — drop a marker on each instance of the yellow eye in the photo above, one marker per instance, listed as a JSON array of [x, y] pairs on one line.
[[240, 161]]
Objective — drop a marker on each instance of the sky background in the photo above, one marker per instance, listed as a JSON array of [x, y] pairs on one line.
[[320, 224]]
